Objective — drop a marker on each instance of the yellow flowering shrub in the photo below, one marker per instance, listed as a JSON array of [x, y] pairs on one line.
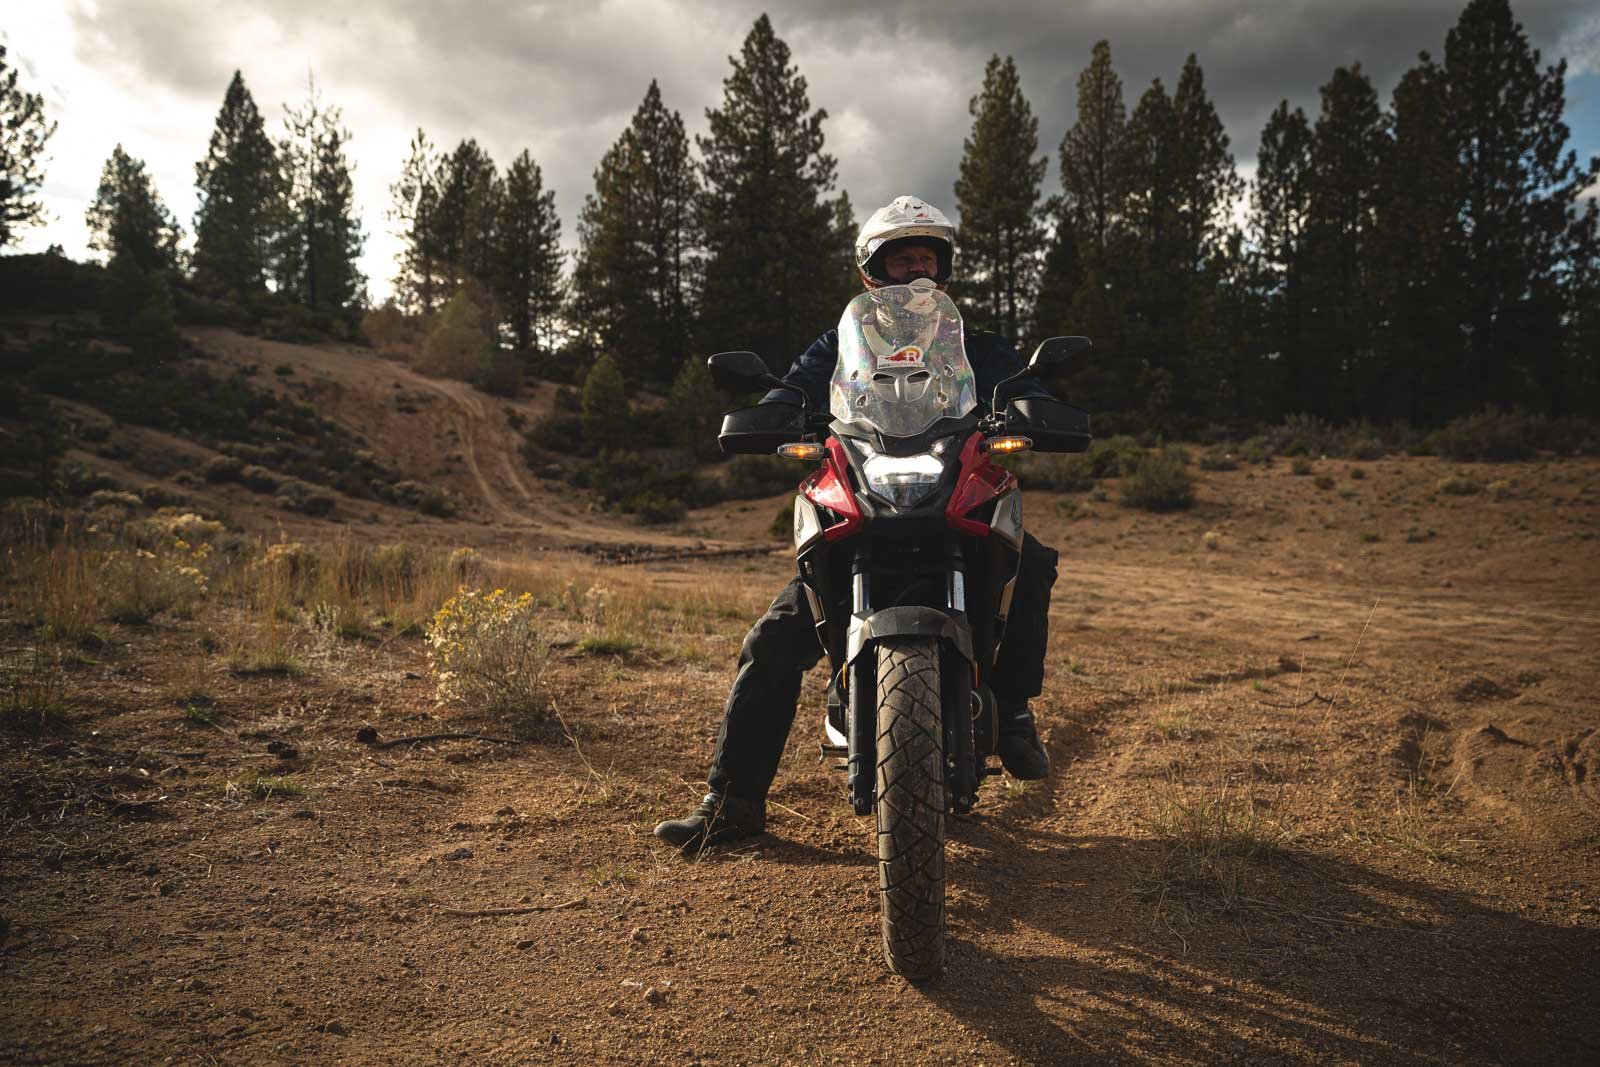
[[138, 584], [488, 649]]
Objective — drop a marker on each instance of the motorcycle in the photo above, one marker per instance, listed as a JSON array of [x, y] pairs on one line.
[[908, 538]]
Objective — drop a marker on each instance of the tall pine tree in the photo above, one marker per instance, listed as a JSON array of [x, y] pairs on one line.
[[458, 225], [413, 200], [321, 239], [1348, 147], [241, 191], [527, 256], [1417, 256], [1001, 235], [639, 245], [1280, 210], [772, 270], [1520, 218], [129, 223], [23, 133], [1080, 292]]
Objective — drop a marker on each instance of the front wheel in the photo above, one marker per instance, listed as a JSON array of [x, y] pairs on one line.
[[911, 807]]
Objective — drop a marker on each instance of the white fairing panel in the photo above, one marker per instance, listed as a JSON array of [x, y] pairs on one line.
[[1007, 521], [834, 736], [807, 524]]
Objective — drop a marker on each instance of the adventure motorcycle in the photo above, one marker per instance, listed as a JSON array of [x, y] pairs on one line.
[[908, 540]]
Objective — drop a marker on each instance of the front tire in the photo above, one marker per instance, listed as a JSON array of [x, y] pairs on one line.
[[911, 807]]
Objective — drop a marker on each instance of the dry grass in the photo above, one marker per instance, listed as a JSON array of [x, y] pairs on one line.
[[32, 696], [1211, 833]]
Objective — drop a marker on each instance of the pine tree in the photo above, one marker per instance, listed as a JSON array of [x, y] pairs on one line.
[[1280, 209], [322, 239], [527, 256], [1092, 185], [23, 133], [414, 198], [695, 409], [1152, 277], [1417, 256], [1520, 220], [997, 195], [1348, 147], [605, 406], [639, 245], [464, 180], [1076, 294], [241, 194], [1206, 183], [129, 223], [127, 220], [771, 255]]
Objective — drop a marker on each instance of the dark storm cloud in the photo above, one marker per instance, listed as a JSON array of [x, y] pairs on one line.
[[563, 78]]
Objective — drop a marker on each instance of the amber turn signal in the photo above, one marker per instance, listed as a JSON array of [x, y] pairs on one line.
[[802, 450], [1007, 445]]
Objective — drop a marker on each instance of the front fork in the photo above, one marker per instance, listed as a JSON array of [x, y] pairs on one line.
[[956, 681]]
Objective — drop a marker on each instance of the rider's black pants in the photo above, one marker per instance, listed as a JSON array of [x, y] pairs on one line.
[[783, 645]]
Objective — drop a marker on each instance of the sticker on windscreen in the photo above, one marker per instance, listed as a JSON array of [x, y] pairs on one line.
[[909, 356]]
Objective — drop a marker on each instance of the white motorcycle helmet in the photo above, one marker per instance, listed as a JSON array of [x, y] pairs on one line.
[[903, 218]]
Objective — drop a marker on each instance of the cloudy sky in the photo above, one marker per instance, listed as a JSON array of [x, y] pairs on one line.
[[562, 77]]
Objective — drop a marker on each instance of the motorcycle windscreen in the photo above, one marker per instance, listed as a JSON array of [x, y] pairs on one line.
[[902, 363]]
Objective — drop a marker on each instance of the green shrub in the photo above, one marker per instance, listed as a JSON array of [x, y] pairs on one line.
[[1303, 435], [1459, 485], [1115, 457], [655, 507], [560, 431], [1488, 435], [259, 479], [1301, 466], [222, 469], [753, 477], [1160, 481]]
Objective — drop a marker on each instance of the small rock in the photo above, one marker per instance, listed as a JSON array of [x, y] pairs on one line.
[[614, 1008], [413, 676], [333, 1026], [507, 810], [748, 990], [639, 935], [459, 854], [367, 735], [655, 996], [525, 944], [283, 750], [303, 813]]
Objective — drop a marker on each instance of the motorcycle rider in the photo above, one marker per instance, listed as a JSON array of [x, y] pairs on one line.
[[902, 242]]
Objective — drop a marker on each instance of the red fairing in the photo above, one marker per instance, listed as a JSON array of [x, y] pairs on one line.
[[829, 487], [980, 481]]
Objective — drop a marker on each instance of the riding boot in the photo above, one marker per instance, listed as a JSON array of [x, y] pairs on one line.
[[1021, 752]]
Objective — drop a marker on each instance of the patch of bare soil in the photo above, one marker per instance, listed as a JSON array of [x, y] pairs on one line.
[[1390, 688]]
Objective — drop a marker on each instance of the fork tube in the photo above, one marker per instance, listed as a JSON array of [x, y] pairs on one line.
[[863, 757]]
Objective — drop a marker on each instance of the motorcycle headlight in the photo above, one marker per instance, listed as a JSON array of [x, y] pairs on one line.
[[903, 480]]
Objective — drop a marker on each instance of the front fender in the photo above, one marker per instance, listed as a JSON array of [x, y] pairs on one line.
[[943, 624]]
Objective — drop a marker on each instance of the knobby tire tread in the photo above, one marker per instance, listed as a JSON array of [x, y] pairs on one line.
[[911, 807]]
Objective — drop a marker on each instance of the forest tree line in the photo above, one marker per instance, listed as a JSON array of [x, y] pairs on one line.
[[1413, 261]]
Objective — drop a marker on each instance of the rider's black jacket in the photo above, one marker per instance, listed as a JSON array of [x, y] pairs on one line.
[[992, 357]]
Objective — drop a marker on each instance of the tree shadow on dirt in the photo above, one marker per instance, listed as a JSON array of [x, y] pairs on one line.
[[1323, 959]]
